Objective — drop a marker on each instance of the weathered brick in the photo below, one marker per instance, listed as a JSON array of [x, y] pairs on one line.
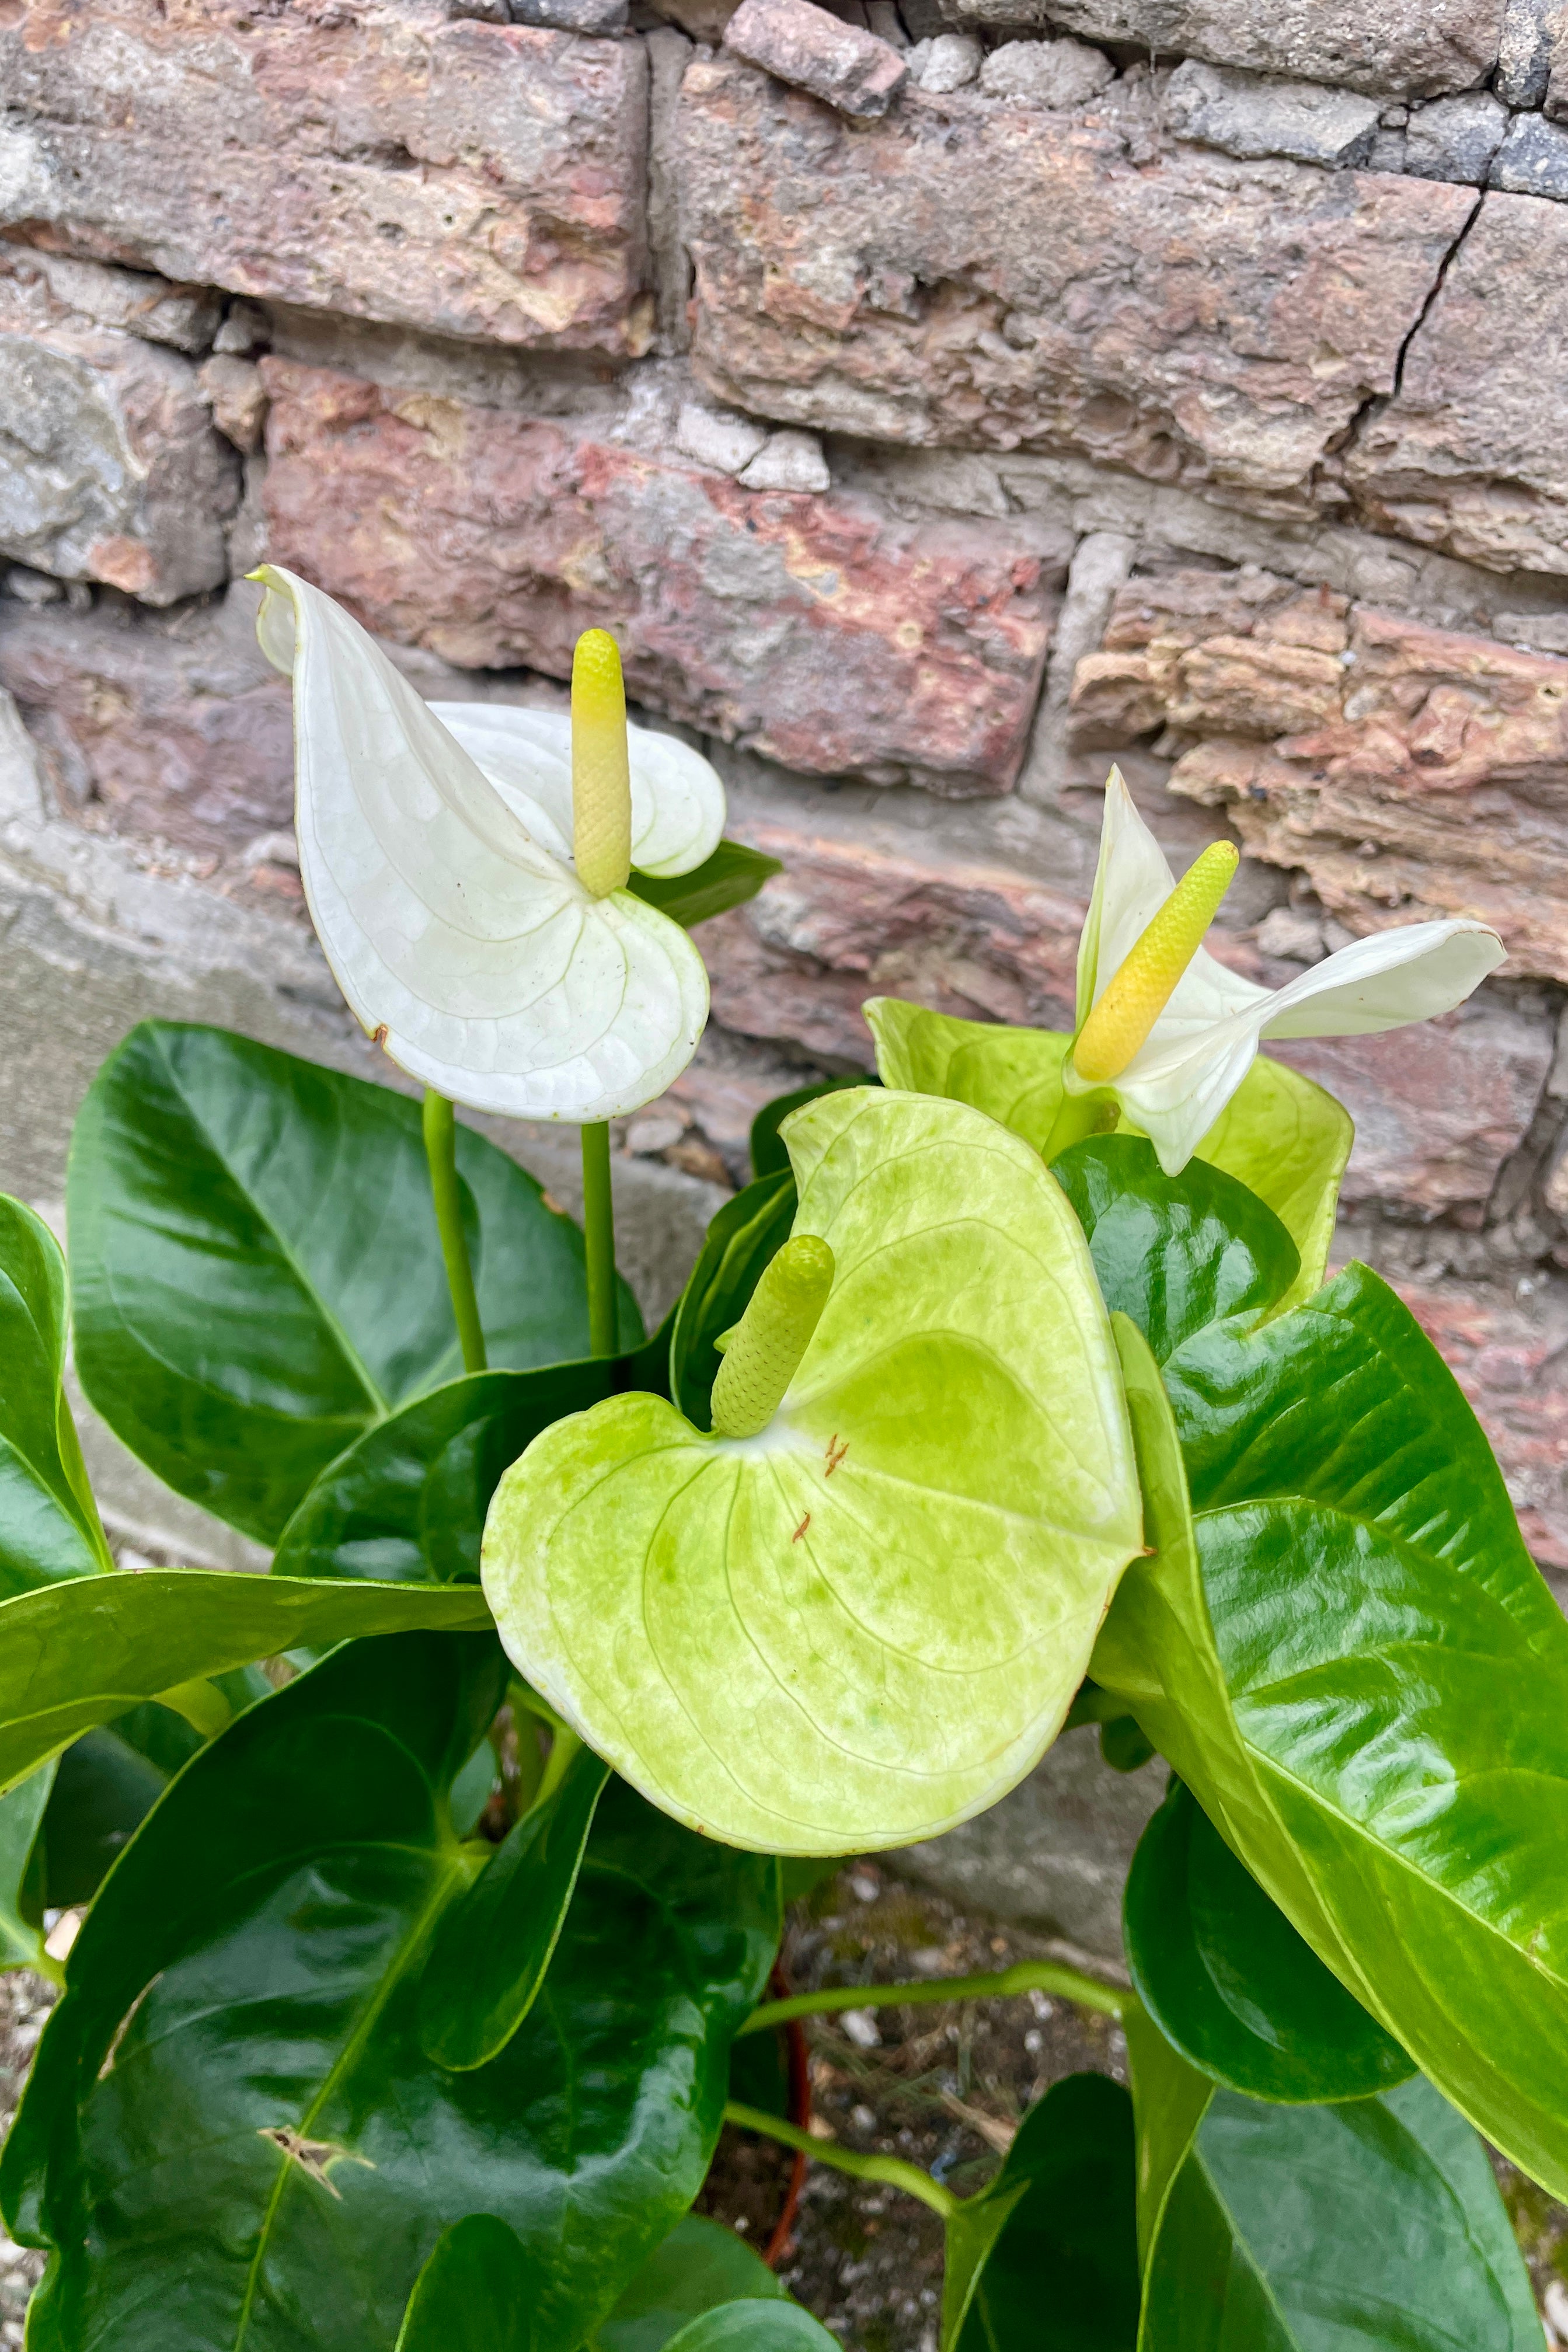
[[373, 157], [110, 468], [801, 44], [973, 272], [1438, 1107], [813, 628], [1470, 456], [1412, 772], [1393, 49]]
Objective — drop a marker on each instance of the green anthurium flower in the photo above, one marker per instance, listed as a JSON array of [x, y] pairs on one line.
[[1167, 1033], [465, 872], [856, 1612]]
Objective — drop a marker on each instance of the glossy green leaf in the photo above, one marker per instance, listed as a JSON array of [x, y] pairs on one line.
[[78, 1655], [733, 874], [21, 1818], [1226, 1978], [868, 1622], [474, 2295], [1175, 1253], [753, 2326], [493, 1946], [769, 1157], [1281, 1136], [1169, 2100], [1351, 2228], [740, 1240], [700, 2267], [232, 2139], [1321, 1654], [1044, 2259], [48, 1523], [256, 1277]]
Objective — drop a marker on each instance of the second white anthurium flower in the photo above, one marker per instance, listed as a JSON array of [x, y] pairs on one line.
[[475, 917], [1168, 1034]]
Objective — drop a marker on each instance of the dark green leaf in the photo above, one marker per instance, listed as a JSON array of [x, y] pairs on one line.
[[474, 2295], [740, 1240], [1044, 2259], [231, 2136], [1352, 1661], [753, 2326], [256, 1277], [700, 2267], [48, 1523], [494, 1944], [769, 1157], [1175, 1253], [733, 875], [78, 1655], [1226, 1978], [103, 1789], [1338, 2229], [21, 1817]]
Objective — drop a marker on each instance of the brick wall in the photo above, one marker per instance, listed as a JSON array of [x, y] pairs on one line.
[[937, 397]]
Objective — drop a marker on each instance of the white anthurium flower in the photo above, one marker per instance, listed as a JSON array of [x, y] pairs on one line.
[[474, 914], [1169, 1034]]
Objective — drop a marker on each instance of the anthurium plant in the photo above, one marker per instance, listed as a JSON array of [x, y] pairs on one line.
[[429, 1887]]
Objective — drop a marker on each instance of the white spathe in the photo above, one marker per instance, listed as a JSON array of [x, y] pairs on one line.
[[1204, 1043], [435, 852]]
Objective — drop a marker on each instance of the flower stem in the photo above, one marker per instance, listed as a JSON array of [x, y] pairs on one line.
[[599, 1233], [441, 1152], [890, 2170], [1025, 1975], [1078, 1116]]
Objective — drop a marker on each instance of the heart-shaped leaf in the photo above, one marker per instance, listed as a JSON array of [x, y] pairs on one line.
[[1175, 1253], [733, 874], [494, 1944], [1319, 1653], [1226, 1978], [474, 2295], [1044, 2259], [1281, 1136], [743, 1237], [78, 1655], [235, 2069], [257, 1277], [700, 2267], [769, 1157], [869, 1622], [753, 2326], [48, 1522]]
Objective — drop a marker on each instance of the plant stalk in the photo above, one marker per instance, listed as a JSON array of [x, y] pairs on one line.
[[441, 1152], [1079, 1116], [890, 2170], [599, 1234], [1025, 1975]]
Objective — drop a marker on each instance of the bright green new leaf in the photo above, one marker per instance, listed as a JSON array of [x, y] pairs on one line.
[[77, 1655], [1044, 2259], [700, 2267], [1281, 1136], [740, 1240], [494, 1945], [1228, 1979], [473, 2294], [867, 1622], [769, 1157], [235, 2070], [1320, 1655], [48, 1522], [257, 1276]]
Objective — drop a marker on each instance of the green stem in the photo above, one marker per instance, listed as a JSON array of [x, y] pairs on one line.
[[890, 2170], [1078, 1116], [1025, 1975], [599, 1234], [441, 1152]]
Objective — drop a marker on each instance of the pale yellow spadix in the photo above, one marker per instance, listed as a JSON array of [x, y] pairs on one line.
[[767, 1344], [601, 766], [1121, 1023]]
